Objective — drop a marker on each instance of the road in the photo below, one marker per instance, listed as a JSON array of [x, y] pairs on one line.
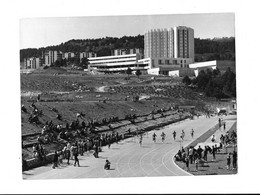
[[129, 159]]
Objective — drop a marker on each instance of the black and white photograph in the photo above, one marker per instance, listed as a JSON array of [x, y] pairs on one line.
[[129, 97], [135, 96]]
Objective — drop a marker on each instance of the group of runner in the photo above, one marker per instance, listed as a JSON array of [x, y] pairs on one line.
[[163, 136]]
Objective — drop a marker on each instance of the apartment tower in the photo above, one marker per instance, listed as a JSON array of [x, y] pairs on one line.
[[177, 42]]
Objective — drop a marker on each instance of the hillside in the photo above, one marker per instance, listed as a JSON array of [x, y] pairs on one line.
[[205, 49]]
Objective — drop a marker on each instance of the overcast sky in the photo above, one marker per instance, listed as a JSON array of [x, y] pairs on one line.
[[42, 32]]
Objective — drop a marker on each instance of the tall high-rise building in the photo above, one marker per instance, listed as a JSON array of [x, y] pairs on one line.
[[177, 42]]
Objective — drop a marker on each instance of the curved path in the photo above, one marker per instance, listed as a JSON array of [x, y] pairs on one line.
[[129, 159]]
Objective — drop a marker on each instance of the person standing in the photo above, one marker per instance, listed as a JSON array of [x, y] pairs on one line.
[[213, 153], [224, 126], [234, 159], [75, 154], [187, 162], [205, 157], [55, 160], [228, 161]]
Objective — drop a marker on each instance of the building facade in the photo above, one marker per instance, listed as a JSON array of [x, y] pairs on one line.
[[50, 57], [32, 63], [87, 55], [177, 42], [117, 52], [115, 64]]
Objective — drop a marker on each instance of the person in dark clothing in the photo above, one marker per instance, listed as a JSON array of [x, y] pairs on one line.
[[199, 151], [205, 157], [95, 147], [76, 157], [213, 153], [228, 161], [55, 160], [107, 165], [174, 134], [117, 137], [187, 163], [234, 159], [68, 156]]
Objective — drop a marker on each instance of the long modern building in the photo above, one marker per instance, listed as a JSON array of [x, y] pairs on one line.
[[115, 64], [177, 42]]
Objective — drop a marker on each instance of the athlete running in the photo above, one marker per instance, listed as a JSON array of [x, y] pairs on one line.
[[174, 134], [192, 133], [182, 134], [163, 136], [154, 137], [141, 140]]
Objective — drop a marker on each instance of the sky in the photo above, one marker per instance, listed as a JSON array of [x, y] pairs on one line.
[[42, 32]]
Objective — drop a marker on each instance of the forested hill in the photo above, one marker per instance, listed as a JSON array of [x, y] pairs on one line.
[[205, 49]]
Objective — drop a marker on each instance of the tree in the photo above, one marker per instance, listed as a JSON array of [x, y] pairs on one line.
[[57, 63], [138, 73], [186, 80], [128, 71], [84, 63]]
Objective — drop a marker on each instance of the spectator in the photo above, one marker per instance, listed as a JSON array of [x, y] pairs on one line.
[[213, 153], [234, 159], [197, 164], [228, 161], [75, 154], [55, 160], [187, 163], [199, 151]]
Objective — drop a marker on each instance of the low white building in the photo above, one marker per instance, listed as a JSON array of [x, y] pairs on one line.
[[197, 67], [114, 64], [164, 66]]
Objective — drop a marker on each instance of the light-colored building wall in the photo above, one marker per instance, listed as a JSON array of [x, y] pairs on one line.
[[177, 42], [115, 63], [117, 52], [174, 73], [197, 67], [203, 64], [32, 63], [50, 57]]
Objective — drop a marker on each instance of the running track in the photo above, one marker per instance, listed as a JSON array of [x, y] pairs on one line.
[[129, 159]]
